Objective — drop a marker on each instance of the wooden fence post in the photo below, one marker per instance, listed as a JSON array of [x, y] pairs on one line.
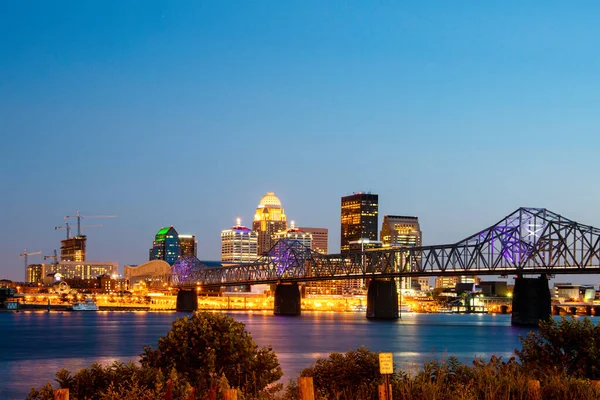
[[383, 394], [230, 394], [61, 394], [306, 390]]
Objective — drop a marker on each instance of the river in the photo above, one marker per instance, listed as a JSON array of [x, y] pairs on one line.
[[35, 345]]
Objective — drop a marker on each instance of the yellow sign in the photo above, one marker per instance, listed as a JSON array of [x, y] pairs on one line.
[[386, 363]]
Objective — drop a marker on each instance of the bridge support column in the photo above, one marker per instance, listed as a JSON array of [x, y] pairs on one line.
[[531, 301], [187, 300], [382, 299], [287, 299]]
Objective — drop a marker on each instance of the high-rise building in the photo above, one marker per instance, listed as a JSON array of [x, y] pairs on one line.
[[73, 248], [359, 221], [239, 244], [166, 246], [188, 245], [296, 234], [320, 236], [403, 231], [269, 219]]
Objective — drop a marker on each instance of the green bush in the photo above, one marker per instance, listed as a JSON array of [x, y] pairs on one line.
[[570, 347], [208, 345]]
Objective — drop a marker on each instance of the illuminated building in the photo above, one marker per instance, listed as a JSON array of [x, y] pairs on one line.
[[296, 234], [359, 213], [81, 270], [269, 219], [35, 273], [152, 271], [239, 244], [320, 236], [402, 231], [166, 246], [73, 249], [188, 245]]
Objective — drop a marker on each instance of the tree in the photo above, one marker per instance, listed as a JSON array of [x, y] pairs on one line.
[[570, 347], [206, 345]]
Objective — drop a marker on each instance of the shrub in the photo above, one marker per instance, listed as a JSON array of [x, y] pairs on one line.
[[570, 347], [205, 346]]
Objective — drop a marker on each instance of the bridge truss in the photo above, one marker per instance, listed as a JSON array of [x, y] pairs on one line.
[[528, 241]]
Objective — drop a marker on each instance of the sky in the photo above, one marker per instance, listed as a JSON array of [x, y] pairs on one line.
[[186, 113]]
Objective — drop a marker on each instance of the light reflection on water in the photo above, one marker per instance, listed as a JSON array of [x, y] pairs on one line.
[[35, 346]]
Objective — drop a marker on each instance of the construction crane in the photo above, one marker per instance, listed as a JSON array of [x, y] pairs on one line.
[[79, 217], [69, 227], [54, 257], [26, 254]]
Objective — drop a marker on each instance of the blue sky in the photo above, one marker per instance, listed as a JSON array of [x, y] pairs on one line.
[[186, 113]]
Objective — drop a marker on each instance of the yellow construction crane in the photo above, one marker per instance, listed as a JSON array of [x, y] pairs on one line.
[[79, 217], [68, 228], [26, 254], [55, 257]]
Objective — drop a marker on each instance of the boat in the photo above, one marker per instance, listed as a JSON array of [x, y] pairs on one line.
[[87, 305]]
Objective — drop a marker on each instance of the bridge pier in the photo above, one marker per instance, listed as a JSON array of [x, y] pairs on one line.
[[287, 299], [187, 300], [382, 299], [531, 301]]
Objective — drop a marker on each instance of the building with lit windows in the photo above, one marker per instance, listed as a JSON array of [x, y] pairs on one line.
[[269, 219], [166, 245], [304, 238], [73, 248], [239, 244], [402, 231], [35, 273], [320, 239], [72, 270], [188, 245], [359, 220]]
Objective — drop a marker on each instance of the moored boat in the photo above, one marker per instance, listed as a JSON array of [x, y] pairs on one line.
[[87, 305]]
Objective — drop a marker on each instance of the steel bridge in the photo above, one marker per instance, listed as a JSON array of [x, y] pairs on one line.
[[528, 241]]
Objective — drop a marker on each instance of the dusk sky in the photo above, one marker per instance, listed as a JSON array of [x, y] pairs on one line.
[[187, 113]]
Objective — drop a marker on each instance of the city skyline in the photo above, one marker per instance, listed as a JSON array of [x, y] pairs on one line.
[[185, 114]]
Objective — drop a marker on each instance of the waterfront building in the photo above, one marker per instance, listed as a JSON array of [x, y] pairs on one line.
[[35, 273], [188, 245], [296, 234], [269, 219], [359, 216], [403, 231], [239, 244], [149, 273], [81, 270], [166, 245], [444, 282], [320, 239], [73, 248]]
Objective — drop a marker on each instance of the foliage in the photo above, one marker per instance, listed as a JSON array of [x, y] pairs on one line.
[[570, 346], [206, 346], [118, 380], [348, 376]]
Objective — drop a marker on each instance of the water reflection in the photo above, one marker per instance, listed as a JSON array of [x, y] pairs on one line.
[[36, 345]]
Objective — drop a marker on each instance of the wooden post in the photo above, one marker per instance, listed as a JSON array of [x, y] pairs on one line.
[[385, 394], [230, 394], [61, 394], [306, 389]]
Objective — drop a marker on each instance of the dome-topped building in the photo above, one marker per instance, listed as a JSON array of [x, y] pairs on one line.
[[270, 218]]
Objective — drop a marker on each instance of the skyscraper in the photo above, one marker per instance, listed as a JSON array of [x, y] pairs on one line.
[[403, 231], [188, 245], [166, 246], [320, 242], [239, 244], [359, 220], [73, 248], [296, 234], [269, 219]]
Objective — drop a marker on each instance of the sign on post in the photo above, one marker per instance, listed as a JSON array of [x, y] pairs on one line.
[[386, 363]]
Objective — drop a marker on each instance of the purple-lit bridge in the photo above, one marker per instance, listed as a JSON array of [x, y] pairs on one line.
[[530, 241]]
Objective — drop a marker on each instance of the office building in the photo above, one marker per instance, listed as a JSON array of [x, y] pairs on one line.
[[239, 244], [269, 219], [73, 248], [166, 246], [36, 273], [403, 231], [359, 220], [320, 239], [188, 245], [296, 234]]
